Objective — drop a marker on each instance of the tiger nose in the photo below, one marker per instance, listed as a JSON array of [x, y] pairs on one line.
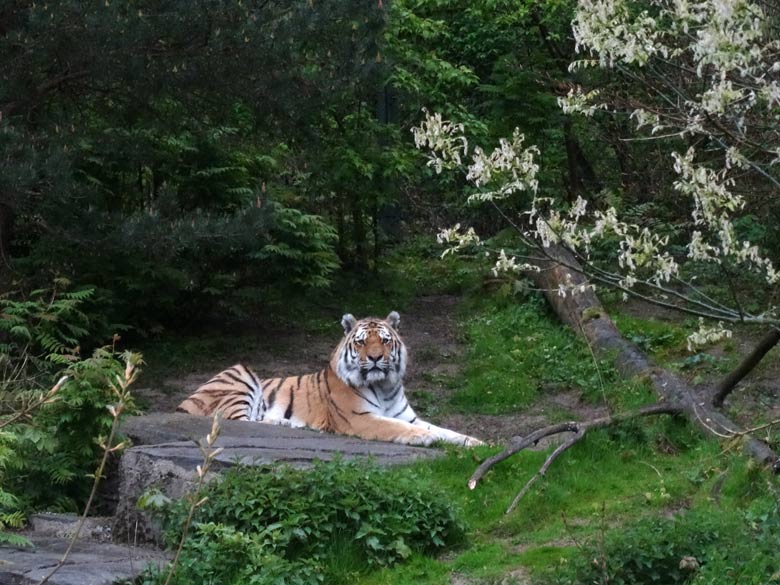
[[375, 357]]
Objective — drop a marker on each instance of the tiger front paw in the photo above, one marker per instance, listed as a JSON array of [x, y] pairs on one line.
[[472, 442]]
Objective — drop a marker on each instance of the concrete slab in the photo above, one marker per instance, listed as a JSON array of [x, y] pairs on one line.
[[90, 563], [166, 456]]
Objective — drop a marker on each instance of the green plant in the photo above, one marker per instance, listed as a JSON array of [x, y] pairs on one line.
[[50, 434], [707, 545], [262, 525], [39, 333]]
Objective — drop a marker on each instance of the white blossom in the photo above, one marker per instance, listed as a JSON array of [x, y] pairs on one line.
[[458, 239], [444, 141], [505, 264], [577, 102], [513, 167], [707, 335]]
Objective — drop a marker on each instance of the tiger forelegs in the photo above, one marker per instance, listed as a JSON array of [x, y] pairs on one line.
[[398, 431]]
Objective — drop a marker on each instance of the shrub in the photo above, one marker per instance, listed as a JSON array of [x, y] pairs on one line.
[[702, 547], [49, 443], [151, 269], [280, 525]]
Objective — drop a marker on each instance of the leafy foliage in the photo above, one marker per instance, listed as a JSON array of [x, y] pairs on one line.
[[49, 437], [263, 525], [694, 547], [46, 326]]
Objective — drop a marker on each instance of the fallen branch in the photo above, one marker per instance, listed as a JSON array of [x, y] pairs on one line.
[[578, 428], [583, 312], [746, 366]]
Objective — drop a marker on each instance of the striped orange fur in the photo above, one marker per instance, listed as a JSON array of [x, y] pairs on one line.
[[360, 392]]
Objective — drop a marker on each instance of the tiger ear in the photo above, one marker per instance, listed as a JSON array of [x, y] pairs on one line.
[[348, 322], [394, 319]]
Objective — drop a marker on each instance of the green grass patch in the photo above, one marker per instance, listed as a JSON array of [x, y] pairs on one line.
[[518, 351], [667, 344], [660, 339]]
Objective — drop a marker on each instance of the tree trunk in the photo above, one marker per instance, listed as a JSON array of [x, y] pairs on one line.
[[583, 312], [7, 218]]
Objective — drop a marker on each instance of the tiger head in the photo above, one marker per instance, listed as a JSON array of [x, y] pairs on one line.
[[371, 352]]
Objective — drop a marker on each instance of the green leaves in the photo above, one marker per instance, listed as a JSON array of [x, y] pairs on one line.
[[298, 520]]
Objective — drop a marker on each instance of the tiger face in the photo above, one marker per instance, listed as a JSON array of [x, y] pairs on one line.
[[371, 354]]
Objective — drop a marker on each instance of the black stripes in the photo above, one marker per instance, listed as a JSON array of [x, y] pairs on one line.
[[394, 394], [272, 396], [406, 405], [230, 375], [288, 412]]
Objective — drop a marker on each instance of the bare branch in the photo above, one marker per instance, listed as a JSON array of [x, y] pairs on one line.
[[728, 383]]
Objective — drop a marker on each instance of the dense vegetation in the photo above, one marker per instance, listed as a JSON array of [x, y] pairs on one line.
[[176, 172], [328, 524]]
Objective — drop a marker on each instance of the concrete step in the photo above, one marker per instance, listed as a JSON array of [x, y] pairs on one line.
[[90, 562]]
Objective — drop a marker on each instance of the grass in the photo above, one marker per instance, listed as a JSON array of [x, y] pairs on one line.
[[518, 353], [607, 484]]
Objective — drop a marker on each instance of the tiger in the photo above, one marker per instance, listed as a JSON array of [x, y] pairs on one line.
[[359, 393]]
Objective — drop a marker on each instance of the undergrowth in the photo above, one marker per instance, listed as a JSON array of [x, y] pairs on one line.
[[327, 524]]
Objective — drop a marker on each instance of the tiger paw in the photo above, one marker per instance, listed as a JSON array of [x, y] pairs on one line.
[[473, 442]]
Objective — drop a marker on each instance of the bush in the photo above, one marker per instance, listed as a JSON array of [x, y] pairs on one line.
[[151, 269], [702, 547], [280, 525], [49, 443]]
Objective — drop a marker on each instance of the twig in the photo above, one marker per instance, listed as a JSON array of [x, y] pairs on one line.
[[46, 398], [579, 428], [123, 396], [209, 455], [543, 469], [728, 383]]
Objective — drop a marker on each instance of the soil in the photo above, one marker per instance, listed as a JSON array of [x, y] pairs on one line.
[[437, 355]]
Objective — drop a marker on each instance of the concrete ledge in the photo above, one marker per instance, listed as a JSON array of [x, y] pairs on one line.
[[166, 457], [90, 563]]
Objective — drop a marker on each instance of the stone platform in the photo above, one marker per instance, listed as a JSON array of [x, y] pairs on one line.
[[164, 456]]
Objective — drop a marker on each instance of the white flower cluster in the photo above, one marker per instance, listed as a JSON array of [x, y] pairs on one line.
[[728, 34], [707, 335], [510, 167], [568, 286], [514, 167], [710, 190], [613, 31], [646, 250], [644, 118], [458, 239], [443, 140], [508, 264], [714, 206], [579, 102]]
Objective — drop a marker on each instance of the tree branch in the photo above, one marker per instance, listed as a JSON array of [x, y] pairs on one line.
[[724, 388], [579, 428]]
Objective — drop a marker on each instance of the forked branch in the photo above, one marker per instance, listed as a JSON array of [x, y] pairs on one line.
[[579, 429]]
